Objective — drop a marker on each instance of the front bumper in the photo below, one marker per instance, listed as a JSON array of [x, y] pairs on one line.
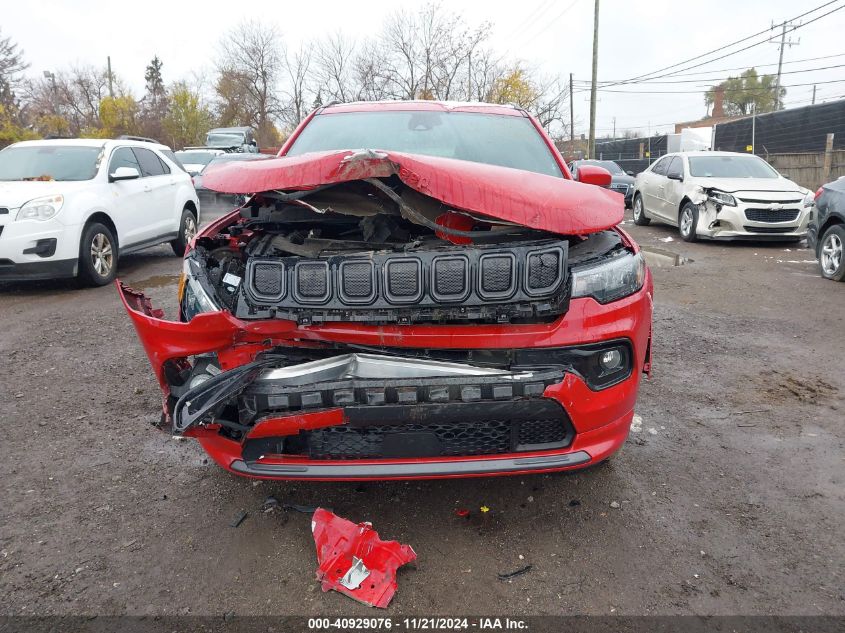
[[599, 419], [752, 221], [31, 250]]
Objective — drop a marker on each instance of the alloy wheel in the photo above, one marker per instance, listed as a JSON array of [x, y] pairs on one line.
[[190, 228], [102, 254], [831, 255], [686, 221], [638, 208]]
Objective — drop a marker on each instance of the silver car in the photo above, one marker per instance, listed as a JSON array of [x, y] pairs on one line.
[[721, 195]]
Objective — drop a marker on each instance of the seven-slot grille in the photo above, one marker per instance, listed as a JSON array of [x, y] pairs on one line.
[[481, 283], [772, 215]]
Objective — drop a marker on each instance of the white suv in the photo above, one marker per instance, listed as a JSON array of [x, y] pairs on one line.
[[68, 208]]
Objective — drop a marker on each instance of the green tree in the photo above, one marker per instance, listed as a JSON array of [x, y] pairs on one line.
[[188, 119], [745, 91], [10, 130]]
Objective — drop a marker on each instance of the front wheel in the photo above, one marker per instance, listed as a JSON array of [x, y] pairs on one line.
[[688, 222], [97, 255], [187, 231], [639, 212], [831, 260]]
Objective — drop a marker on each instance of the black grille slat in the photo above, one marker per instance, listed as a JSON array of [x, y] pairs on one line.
[[357, 280], [496, 274], [403, 280], [772, 215], [451, 278], [769, 229], [268, 279], [543, 270], [312, 281], [489, 437]]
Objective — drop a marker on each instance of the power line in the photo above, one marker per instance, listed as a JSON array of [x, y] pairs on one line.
[[726, 70], [723, 47], [681, 92], [720, 79]]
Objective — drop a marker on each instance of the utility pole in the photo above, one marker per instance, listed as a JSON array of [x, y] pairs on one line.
[[614, 128], [54, 92], [814, 95], [571, 117], [111, 88], [591, 147], [783, 43], [753, 126]]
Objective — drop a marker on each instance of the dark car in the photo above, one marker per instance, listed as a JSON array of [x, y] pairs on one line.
[[826, 229], [621, 181], [435, 306], [213, 198]]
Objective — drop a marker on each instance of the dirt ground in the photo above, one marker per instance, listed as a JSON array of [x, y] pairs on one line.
[[728, 498]]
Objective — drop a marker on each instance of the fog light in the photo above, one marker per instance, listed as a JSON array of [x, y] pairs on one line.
[[610, 360]]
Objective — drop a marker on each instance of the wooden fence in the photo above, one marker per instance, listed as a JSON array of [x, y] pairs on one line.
[[808, 169]]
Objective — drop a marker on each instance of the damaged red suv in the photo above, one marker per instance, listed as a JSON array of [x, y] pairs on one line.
[[445, 302]]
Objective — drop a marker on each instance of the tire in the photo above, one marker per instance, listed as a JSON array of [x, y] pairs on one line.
[[98, 255], [640, 218], [187, 230], [832, 253], [688, 222]]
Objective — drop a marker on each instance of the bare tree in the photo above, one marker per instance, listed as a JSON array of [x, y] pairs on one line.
[[297, 66], [334, 59], [11, 61], [371, 81], [249, 70]]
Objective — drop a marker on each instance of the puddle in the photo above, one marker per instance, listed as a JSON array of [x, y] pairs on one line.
[[657, 257], [157, 281]]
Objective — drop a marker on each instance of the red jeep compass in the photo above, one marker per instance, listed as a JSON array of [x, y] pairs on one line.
[[411, 290]]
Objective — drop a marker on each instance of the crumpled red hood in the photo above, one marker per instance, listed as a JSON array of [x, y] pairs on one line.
[[534, 200]]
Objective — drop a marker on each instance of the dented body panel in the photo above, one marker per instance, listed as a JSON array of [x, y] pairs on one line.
[[388, 315]]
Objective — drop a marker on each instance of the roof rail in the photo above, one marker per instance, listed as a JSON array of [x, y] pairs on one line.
[[129, 137]]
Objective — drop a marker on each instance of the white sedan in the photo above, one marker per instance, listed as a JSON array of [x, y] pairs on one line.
[[721, 195], [69, 208]]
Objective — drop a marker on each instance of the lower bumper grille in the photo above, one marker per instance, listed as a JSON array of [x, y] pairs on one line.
[[489, 437], [772, 215], [770, 229]]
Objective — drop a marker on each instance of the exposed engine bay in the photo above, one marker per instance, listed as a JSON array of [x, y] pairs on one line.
[[377, 251]]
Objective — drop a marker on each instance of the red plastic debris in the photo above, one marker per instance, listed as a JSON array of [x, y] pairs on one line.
[[462, 513], [353, 560]]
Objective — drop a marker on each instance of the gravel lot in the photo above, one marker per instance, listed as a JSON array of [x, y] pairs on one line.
[[728, 497]]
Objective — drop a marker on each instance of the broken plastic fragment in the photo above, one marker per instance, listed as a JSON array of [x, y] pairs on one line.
[[484, 509], [353, 560]]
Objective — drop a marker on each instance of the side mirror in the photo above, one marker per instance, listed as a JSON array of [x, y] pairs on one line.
[[675, 176], [630, 173], [593, 175], [124, 173]]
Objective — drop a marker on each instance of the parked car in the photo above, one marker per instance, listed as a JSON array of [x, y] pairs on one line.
[[826, 229], [209, 197], [232, 139], [69, 208], [435, 306], [194, 159], [621, 181], [721, 195]]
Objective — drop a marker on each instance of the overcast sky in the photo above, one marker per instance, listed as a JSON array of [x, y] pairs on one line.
[[554, 36]]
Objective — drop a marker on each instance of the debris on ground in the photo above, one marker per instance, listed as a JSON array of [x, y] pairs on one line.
[[514, 574], [270, 504], [462, 513], [484, 509], [353, 560], [239, 519], [614, 504], [300, 508]]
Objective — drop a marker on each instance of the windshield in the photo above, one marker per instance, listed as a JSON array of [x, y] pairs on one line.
[[508, 141], [730, 167], [195, 158], [49, 162], [224, 140], [609, 165]]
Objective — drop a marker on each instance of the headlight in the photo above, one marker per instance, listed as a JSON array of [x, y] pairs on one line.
[[611, 280], [192, 296], [723, 198], [809, 199], [41, 208]]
